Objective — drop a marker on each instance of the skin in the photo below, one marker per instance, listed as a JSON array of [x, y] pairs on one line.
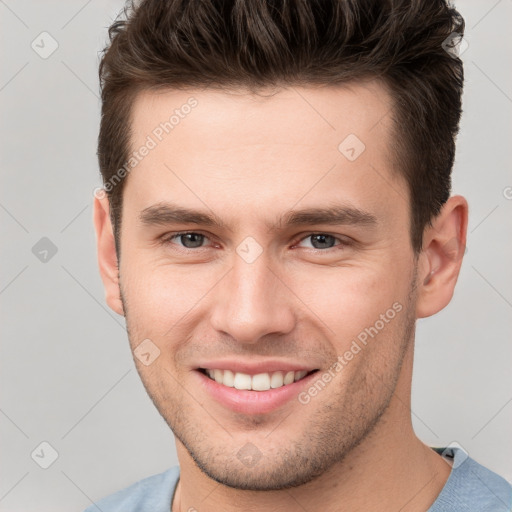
[[249, 160]]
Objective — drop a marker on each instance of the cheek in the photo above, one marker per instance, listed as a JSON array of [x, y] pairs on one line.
[[159, 295], [348, 300]]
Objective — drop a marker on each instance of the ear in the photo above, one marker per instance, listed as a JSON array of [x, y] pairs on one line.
[[444, 245], [107, 258]]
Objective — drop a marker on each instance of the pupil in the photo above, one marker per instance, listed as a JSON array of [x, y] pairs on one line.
[[195, 239], [322, 239]]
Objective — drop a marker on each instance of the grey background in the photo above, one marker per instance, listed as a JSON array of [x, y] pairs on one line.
[[67, 375]]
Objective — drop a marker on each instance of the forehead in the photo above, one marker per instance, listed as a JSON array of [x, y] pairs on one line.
[[271, 149], [294, 115]]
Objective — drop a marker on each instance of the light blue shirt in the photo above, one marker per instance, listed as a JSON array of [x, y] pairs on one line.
[[470, 488]]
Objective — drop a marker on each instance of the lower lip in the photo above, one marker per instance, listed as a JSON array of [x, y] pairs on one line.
[[253, 402]]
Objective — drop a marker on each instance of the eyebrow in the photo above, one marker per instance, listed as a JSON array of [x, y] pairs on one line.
[[162, 214]]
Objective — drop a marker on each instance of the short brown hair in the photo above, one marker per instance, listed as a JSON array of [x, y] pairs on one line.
[[259, 43]]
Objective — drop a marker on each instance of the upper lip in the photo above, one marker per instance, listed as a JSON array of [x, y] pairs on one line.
[[253, 368]]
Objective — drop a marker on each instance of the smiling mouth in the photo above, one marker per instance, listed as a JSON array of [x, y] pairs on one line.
[[257, 382]]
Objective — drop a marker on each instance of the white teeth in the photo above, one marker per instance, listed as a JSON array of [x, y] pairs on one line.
[[242, 381], [228, 378], [276, 381], [289, 378], [258, 382], [261, 382]]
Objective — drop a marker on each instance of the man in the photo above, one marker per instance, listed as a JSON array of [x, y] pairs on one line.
[[276, 216]]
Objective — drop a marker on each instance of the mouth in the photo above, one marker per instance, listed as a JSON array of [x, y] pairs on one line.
[[264, 381]]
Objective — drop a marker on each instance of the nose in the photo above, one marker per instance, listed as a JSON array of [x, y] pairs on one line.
[[253, 301]]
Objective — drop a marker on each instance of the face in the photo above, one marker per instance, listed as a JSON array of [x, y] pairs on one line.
[[298, 259]]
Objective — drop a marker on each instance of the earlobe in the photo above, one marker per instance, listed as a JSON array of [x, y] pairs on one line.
[[441, 257], [107, 258]]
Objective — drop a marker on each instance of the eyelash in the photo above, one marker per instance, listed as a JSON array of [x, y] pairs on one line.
[[167, 240]]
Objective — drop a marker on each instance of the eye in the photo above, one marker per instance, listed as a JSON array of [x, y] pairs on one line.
[[323, 241], [188, 239], [193, 240]]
